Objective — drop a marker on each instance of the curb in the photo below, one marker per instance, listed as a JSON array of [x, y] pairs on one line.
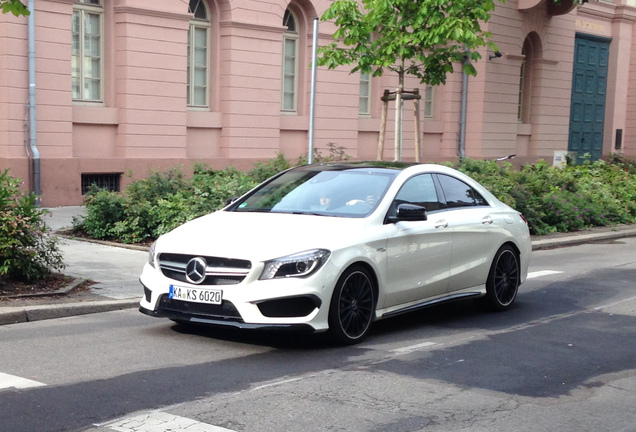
[[68, 234], [578, 239], [44, 312], [62, 291]]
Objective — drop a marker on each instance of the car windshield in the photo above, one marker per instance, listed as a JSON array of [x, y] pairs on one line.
[[350, 192]]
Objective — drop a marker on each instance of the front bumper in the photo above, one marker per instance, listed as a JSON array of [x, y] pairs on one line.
[[290, 303], [219, 322]]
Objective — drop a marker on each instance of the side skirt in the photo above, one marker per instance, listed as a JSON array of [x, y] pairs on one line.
[[428, 303]]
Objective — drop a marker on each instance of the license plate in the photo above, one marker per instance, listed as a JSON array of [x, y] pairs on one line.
[[197, 295]]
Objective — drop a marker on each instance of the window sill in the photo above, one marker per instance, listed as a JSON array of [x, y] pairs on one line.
[[204, 120], [524, 129], [299, 123], [87, 114], [367, 124], [432, 126]]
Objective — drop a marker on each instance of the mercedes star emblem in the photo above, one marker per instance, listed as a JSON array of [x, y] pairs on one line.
[[195, 270]]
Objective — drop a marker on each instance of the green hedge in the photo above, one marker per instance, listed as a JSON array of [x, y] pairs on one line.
[[163, 201], [563, 199], [552, 199]]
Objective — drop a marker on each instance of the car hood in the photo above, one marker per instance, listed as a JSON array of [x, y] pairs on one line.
[[260, 236]]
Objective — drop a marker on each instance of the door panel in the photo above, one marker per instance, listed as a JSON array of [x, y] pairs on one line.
[[418, 253], [474, 243], [418, 256], [473, 223], [589, 84]]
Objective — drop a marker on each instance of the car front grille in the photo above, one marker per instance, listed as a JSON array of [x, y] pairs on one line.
[[224, 311], [219, 271]]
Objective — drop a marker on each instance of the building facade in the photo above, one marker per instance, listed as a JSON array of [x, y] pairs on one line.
[[127, 87]]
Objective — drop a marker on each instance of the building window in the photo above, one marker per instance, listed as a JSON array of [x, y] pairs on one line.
[[365, 94], [109, 182], [87, 57], [290, 62], [528, 52], [428, 102], [198, 55], [522, 81]]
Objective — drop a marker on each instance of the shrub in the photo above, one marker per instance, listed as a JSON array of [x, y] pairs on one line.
[[562, 199], [163, 201], [104, 210], [574, 197], [552, 199], [263, 171], [27, 251]]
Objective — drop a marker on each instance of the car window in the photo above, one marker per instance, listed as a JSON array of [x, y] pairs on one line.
[[479, 200], [419, 190], [344, 193], [459, 194]]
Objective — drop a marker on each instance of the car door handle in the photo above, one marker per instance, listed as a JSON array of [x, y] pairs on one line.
[[441, 224], [487, 220]]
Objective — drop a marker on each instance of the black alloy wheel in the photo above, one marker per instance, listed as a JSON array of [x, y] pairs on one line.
[[503, 280], [352, 306]]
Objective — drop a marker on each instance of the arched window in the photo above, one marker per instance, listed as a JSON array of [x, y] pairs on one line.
[[522, 107], [199, 55], [530, 51], [87, 53], [289, 95]]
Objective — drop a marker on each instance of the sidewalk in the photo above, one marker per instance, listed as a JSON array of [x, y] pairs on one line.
[[116, 270]]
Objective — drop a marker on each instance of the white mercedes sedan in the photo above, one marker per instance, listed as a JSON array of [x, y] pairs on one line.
[[334, 247]]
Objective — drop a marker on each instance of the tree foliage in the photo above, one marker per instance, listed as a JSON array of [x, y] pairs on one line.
[[16, 7], [424, 38]]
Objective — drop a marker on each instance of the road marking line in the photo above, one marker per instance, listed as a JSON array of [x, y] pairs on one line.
[[8, 381], [158, 421], [411, 348], [542, 273], [609, 305], [276, 383]]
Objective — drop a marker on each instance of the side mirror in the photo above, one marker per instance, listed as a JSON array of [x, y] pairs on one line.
[[409, 213], [230, 200]]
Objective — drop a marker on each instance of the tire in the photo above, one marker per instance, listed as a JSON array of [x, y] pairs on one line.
[[503, 281], [352, 307]]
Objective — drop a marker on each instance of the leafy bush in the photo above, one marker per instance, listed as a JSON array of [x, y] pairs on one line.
[[263, 171], [27, 251], [552, 199], [104, 209], [563, 199], [163, 201]]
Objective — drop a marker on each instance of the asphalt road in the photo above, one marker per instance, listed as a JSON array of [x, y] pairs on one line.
[[563, 359]]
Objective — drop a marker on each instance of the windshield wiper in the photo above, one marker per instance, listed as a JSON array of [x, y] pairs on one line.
[[252, 210]]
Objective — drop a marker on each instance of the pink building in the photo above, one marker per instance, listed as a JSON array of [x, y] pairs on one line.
[[127, 87]]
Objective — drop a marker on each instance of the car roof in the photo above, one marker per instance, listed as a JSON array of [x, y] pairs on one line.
[[392, 166]]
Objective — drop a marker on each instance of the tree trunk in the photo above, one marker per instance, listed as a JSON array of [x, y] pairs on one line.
[[398, 114]]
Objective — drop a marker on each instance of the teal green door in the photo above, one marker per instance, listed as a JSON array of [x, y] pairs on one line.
[[589, 84]]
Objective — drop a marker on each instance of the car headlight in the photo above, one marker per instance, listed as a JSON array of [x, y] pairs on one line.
[[301, 264], [151, 254]]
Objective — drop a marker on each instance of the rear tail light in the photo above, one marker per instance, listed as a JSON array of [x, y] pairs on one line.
[[523, 218]]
